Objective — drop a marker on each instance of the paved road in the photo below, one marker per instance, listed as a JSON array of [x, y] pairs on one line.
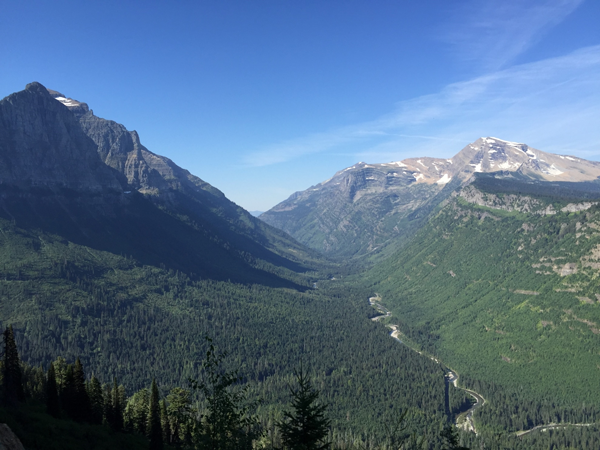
[[552, 426], [452, 377], [450, 374], [384, 312]]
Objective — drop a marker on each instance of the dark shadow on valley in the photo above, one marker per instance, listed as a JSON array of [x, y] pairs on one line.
[[128, 224]]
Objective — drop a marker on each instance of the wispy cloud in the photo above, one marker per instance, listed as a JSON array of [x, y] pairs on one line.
[[553, 104], [493, 33]]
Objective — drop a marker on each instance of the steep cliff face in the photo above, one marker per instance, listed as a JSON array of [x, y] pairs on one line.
[[368, 206], [90, 181], [517, 203], [43, 146], [175, 189], [122, 150]]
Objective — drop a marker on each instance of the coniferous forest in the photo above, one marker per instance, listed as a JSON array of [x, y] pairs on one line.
[[148, 311], [132, 336]]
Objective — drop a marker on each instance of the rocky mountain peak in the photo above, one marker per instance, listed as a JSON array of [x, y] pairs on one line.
[[362, 207], [42, 145], [486, 154], [122, 150], [490, 154], [73, 105]]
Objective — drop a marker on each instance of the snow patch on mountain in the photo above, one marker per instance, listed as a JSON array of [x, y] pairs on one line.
[[552, 170], [444, 180], [68, 101]]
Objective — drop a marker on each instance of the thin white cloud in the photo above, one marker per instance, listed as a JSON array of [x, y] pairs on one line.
[[493, 33], [553, 103]]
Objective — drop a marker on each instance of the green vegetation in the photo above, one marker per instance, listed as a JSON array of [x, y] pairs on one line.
[[510, 301], [221, 420], [519, 332], [306, 427], [134, 322]]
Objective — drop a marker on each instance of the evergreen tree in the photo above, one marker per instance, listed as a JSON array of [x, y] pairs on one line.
[[96, 400], [306, 427], [164, 422], [12, 378], [68, 396], [60, 368], [153, 425], [135, 417], [180, 413], [34, 382], [450, 437], [117, 406], [227, 424], [52, 403], [82, 409], [109, 410]]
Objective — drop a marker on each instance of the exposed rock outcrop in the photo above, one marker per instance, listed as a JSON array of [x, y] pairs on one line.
[[364, 206], [8, 439], [122, 150], [42, 145], [72, 174]]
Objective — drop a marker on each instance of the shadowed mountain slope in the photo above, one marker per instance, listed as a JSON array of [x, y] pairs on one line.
[[89, 180], [117, 256]]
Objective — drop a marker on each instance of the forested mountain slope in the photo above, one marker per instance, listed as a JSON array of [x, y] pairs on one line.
[[54, 179], [370, 208], [502, 284], [117, 256]]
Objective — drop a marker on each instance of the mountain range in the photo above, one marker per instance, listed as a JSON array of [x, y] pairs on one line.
[[488, 261], [366, 207], [485, 263], [114, 255]]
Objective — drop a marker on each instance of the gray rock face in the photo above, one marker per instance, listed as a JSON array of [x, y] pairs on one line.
[[8, 439], [354, 212], [42, 145], [122, 150], [120, 153], [367, 206], [91, 181]]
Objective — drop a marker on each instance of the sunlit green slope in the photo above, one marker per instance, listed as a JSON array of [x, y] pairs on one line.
[[505, 288]]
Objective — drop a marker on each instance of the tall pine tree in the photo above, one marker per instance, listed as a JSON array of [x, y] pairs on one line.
[[68, 397], [306, 427], [227, 423], [96, 400], [82, 408], [117, 407], [153, 425], [12, 384], [136, 411], [52, 403], [164, 422]]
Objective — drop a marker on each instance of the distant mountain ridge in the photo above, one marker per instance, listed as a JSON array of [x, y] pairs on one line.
[[364, 206]]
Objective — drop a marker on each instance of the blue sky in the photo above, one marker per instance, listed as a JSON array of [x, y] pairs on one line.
[[264, 98]]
